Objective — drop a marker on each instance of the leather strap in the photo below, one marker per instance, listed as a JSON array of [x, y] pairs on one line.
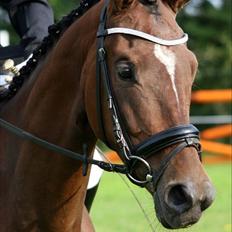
[[166, 139], [157, 174], [143, 35], [61, 150], [99, 60]]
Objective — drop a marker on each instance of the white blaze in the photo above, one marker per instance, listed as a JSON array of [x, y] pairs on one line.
[[168, 58]]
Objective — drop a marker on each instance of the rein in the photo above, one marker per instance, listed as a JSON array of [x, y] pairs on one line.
[[66, 152]]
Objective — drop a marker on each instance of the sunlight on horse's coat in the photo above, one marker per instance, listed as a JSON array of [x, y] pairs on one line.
[[168, 58]]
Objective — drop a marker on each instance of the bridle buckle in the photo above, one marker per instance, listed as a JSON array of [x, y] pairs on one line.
[[149, 175]]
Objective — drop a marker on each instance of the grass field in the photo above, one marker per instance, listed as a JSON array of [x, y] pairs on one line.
[[116, 210]]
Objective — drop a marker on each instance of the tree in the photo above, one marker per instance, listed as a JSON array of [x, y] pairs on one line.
[[209, 28], [63, 7]]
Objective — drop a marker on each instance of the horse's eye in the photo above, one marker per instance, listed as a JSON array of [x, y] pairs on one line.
[[126, 70]]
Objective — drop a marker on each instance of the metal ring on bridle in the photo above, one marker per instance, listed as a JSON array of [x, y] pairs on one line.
[[149, 176]]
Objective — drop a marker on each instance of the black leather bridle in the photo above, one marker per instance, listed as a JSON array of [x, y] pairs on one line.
[[181, 136]]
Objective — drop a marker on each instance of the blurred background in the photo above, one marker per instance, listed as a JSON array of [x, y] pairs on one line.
[[208, 23]]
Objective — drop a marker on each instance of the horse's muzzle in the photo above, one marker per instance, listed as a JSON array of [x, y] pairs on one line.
[[181, 204]]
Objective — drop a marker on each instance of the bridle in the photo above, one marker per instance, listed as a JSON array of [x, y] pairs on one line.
[[182, 136]]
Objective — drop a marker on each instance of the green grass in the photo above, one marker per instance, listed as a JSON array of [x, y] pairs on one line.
[[115, 209]]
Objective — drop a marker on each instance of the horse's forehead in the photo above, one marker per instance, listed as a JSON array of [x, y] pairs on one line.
[[162, 24], [155, 18]]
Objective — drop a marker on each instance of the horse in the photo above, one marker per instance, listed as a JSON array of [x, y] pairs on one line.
[[120, 73]]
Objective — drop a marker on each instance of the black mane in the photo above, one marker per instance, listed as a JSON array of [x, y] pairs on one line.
[[54, 33]]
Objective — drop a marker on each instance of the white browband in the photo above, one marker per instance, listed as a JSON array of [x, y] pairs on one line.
[[152, 38]]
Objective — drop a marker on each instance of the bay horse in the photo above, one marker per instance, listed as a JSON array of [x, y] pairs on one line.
[[134, 95]]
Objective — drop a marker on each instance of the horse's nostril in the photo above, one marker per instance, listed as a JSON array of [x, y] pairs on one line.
[[179, 198], [205, 204], [177, 195]]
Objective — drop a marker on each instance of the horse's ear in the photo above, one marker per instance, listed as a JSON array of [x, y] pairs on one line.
[[176, 5], [117, 6]]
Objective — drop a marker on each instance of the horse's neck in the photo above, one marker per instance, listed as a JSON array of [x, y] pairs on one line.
[[52, 100], [48, 188]]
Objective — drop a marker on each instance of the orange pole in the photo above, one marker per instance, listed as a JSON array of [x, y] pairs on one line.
[[113, 157], [215, 159], [212, 96], [214, 147], [217, 132]]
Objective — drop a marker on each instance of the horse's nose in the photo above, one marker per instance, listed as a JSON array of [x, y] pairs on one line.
[[182, 197], [179, 197]]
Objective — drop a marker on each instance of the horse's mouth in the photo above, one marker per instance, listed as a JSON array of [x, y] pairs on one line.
[[171, 220], [182, 225]]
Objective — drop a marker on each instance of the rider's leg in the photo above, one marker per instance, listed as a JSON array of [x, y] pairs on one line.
[[31, 20]]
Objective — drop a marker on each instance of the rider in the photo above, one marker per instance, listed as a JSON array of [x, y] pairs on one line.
[[30, 19]]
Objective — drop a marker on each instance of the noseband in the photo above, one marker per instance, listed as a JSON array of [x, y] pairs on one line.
[[181, 136]]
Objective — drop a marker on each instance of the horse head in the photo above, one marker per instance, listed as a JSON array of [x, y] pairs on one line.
[[146, 73]]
